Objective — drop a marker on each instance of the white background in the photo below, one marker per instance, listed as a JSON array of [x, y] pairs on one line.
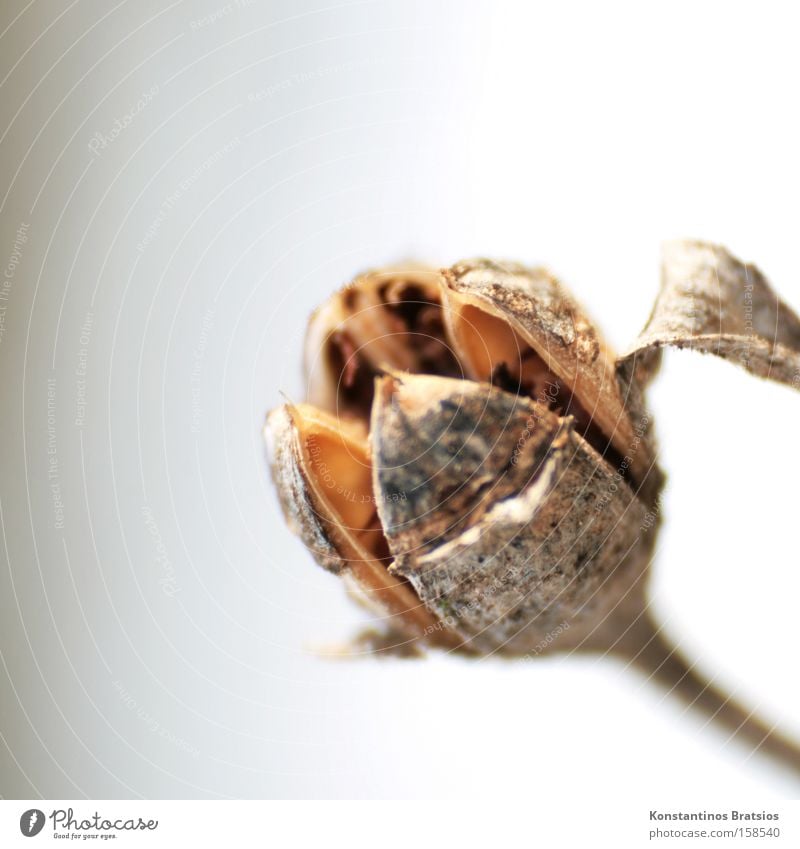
[[286, 147]]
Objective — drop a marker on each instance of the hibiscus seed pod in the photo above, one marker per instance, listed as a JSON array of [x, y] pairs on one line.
[[467, 459], [477, 465]]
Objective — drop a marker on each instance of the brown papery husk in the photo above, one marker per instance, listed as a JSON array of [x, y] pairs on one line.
[[508, 524]]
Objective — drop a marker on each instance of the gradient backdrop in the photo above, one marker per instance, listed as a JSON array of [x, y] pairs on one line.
[[180, 184]]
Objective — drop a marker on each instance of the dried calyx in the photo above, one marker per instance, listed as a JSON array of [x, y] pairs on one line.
[[466, 457], [473, 461]]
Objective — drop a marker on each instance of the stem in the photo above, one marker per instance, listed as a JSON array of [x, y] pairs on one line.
[[645, 647]]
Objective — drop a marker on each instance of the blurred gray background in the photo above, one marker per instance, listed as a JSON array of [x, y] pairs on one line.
[[181, 184]]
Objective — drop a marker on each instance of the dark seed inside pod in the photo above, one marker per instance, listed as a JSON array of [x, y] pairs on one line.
[[356, 375], [518, 353], [398, 324]]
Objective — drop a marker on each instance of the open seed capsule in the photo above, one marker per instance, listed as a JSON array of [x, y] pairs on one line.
[[479, 468], [466, 457]]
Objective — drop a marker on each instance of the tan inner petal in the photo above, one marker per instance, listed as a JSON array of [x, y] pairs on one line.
[[337, 454], [484, 342], [492, 351], [337, 459]]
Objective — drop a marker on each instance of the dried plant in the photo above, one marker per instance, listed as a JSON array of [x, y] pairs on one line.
[[481, 469]]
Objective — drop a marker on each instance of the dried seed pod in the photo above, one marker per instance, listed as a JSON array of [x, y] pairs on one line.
[[476, 464], [467, 458], [474, 460]]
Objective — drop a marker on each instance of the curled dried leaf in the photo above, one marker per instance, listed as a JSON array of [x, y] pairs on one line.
[[714, 303]]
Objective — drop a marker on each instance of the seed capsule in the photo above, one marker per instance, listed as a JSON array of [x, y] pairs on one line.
[[466, 458], [476, 463]]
